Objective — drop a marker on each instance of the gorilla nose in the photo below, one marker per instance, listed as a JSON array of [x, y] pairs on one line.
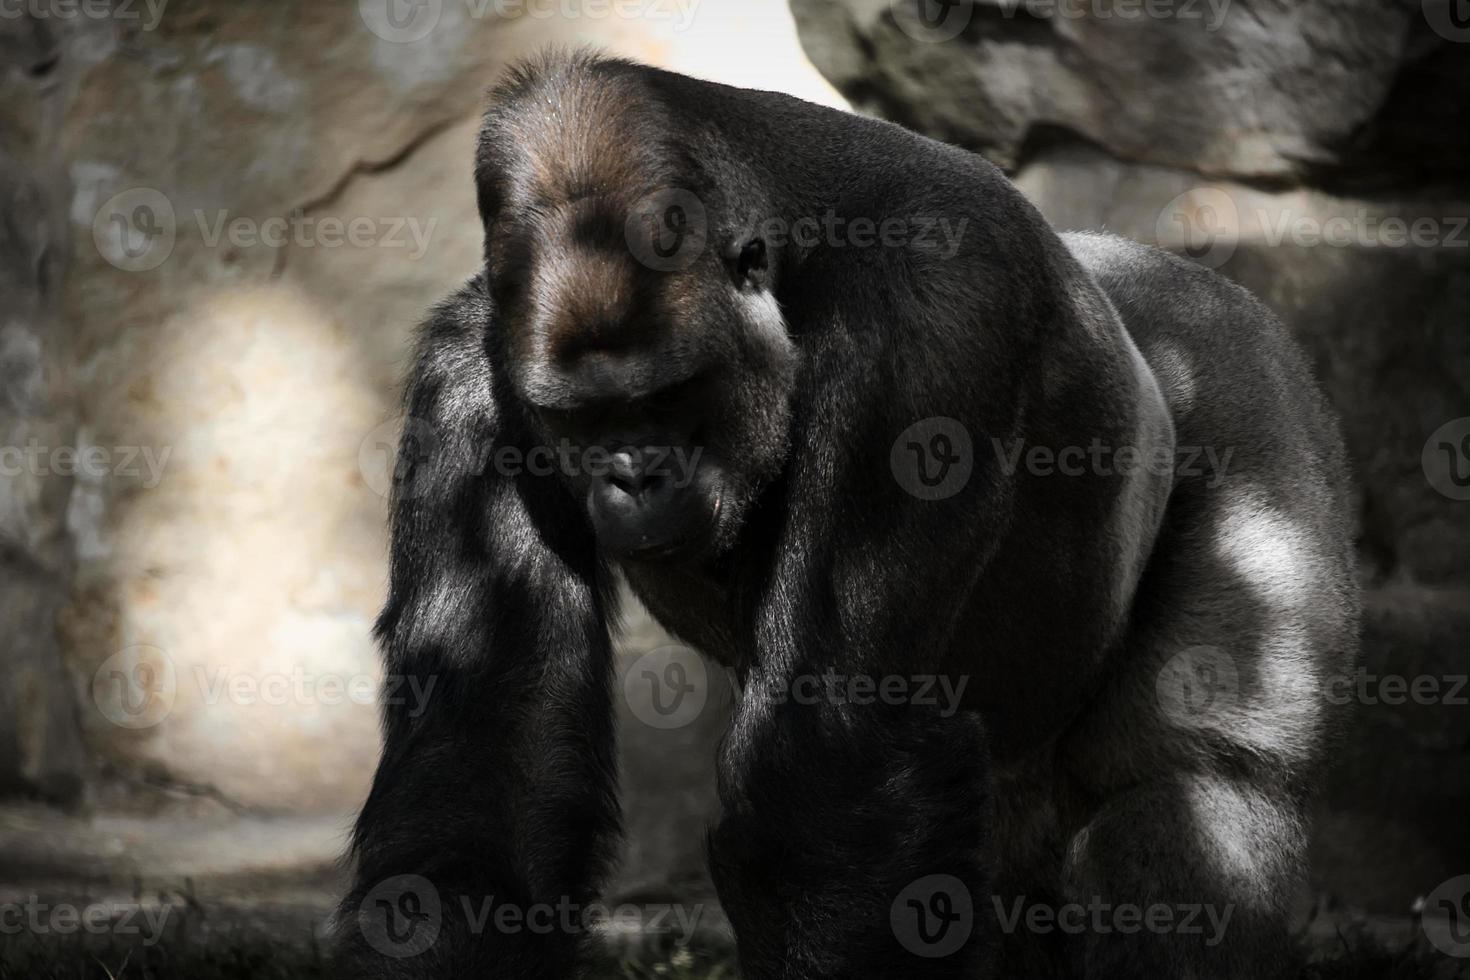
[[628, 473], [634, 504]]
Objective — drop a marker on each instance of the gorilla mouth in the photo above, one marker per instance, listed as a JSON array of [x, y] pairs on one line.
[[689, 542]]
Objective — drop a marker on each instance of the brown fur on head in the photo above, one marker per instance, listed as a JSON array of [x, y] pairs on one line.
[[615, 266]]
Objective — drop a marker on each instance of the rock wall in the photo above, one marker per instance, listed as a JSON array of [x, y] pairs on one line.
[[1318, 157], [220, 223], [41, 751]]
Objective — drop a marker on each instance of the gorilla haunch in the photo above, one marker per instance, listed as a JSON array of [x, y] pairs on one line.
[[662, 280]]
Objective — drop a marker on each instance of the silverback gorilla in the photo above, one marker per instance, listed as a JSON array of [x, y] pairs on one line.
[[1125, 790]]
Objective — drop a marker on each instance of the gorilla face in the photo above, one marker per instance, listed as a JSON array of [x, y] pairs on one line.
[[639, 318], [640, 462], [665, 393]]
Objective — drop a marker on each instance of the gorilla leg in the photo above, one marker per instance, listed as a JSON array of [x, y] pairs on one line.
[[498, 789], [1028, 868], [1205, 895], [1187, 780], [854, 840]]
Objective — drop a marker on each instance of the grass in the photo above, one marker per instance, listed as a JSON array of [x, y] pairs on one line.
[[197, 946], [259, 960], [193, 954]]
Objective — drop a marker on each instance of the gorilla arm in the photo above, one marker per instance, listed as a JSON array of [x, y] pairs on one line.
[[835, 808], [498, 789]]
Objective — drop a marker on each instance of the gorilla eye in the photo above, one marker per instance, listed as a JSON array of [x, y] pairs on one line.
[[752, 262]]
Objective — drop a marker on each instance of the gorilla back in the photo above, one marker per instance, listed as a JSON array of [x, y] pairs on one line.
[[1087, 487]]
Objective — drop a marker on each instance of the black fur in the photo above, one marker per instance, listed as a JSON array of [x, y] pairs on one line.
[[796, 551]]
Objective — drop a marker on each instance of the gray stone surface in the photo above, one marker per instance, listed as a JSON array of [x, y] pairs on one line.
[[1395, 824], [41, 750], [184, 627], [1253, 88]]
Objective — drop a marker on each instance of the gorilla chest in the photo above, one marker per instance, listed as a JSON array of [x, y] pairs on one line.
[[689, 604]]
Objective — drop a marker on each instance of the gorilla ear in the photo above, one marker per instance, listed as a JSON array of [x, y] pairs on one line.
[[751, 265]]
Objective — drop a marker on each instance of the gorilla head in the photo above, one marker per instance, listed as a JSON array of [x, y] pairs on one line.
[[643, 328]]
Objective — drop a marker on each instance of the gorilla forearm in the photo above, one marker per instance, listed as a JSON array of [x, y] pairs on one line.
[[484, 790], [830, 815]]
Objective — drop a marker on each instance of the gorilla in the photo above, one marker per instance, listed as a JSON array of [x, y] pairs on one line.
[[895, 454]]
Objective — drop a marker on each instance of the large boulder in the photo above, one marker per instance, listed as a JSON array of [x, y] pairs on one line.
[[41, 750], [1359, 89]]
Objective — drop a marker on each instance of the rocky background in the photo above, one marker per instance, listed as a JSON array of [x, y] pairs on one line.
[[1320, 155], [219, 221]]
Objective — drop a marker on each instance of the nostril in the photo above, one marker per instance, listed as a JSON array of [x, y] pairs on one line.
[[626, 471]]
